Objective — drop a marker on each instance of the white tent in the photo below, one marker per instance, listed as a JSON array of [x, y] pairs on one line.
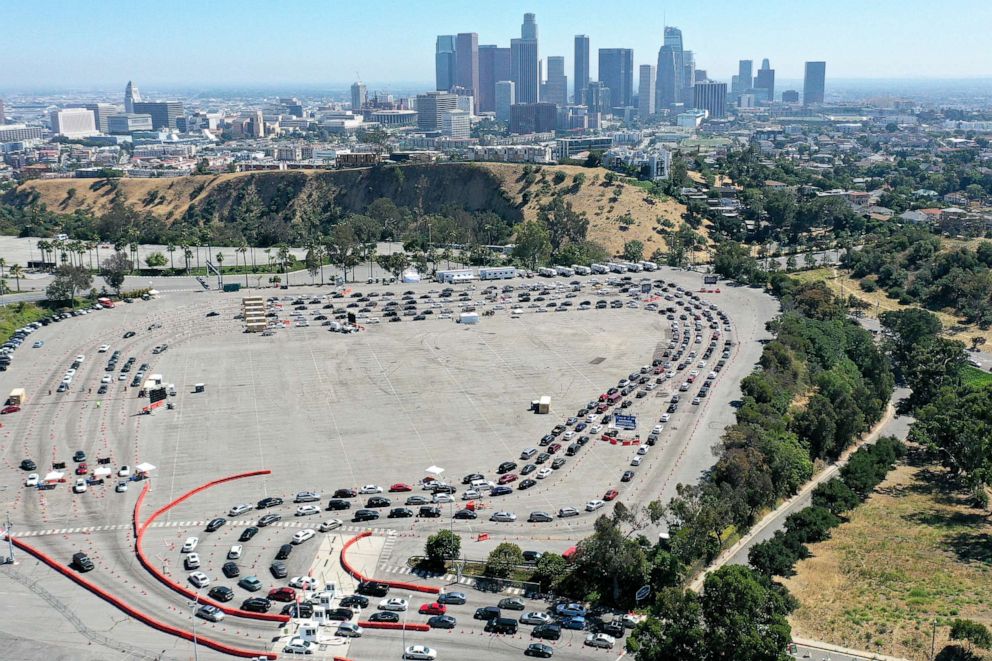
[[144, 468], [102, 471], [434, 470], [410, 275], [54, 476]]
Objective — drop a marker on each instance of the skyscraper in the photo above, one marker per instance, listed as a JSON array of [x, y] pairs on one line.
[[556, 89], [494, 66], [616, 71], [524, 62], [581, 78], [688, 76], [712, 97], [359, 95], [431, 108], [765, 80], [73, 122], [814, 82], [131, 96], [505, 99], [667, 94], [744, 77], [467, 62], [3, 118], [673, 38], [101, 113], [444, 62], [645, 92], [598, 97], [164, 113]]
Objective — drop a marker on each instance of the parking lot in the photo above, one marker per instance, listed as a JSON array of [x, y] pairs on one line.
[[326, 411]]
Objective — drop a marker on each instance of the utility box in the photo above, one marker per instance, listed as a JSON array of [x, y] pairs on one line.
[[232, 286], [544, 404], [199, 387]]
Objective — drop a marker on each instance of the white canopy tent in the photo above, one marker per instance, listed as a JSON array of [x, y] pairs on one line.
[[102, 471], [434, 470], [144, 468], [54, 476]]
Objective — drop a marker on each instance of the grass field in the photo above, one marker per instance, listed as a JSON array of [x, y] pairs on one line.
[[975, 377], [14, 316], [916, 552]]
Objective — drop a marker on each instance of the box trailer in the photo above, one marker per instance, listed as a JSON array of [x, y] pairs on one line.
[[581, 270], [17, 397], [649, 266], [617, 268], [633, 267], [564, 271], [497, 273], [468, 318], [544, 404], [600, 268], [546, 272]]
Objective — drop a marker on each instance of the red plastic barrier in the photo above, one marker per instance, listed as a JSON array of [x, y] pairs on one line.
[[395, 626], [137, 614], [399, 585], [178, 587]]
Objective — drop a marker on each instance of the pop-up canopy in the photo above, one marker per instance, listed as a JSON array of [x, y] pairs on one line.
[[144, 468]]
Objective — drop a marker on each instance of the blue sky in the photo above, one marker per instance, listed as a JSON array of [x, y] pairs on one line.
[[80, 44]]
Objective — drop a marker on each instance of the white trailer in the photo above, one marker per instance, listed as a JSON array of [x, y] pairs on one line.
[[600, 268], [497, 273], [649, 266], [581, 270], [546, 272], [564, 271], [456, 275], [633, 267], [617, 268]]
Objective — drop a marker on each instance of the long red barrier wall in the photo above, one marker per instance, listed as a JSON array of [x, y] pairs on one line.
[[137, 614], [399, 585]]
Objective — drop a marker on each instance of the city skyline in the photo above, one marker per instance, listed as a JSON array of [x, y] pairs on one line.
[[329, 48]]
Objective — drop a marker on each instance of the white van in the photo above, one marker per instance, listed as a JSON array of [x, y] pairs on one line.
[[171, 389]]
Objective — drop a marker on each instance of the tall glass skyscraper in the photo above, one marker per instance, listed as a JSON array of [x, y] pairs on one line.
[[616, 71], [524, 62], [444, 62], [814, 82], [581, 79]]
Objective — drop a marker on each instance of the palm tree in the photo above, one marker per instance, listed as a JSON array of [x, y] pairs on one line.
[[171, 248], [3, 265], [96, 244], [16, 271], [243, 249], [268, 256], [134, 251], [284, 258], [188, 255], [43, 248], [220, 266]]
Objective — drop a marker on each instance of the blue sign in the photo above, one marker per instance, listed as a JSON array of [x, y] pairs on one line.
[[625, 421]]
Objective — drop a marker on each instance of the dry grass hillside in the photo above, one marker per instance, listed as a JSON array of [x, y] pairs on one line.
[[603, 204]]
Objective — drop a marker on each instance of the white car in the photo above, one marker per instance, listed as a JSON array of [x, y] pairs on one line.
[[79, 486], [636, 461], [32, 480], [192, 561], [235, 552], [189, 545], [600, 640], [104, 348], [544, 472], [420, 652], [121, 486], [349, 630], [370, 488], [665, 417], [643, 450], [658, 429], [471, 494], [505, 517], [595, 429], [330, 524], [106, 379], [303, 535], [594, 505], [240, 509], [124, 471], [299, 646], [303, 582], [535, 617], [393, 604], [199, 579], [80, 358], [307, 510], [442, 498]]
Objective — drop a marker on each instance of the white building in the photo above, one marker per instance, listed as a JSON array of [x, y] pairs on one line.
[[690, 120], [456, 124], [456, 275], [514, 153], [497, 273], [73, 122]]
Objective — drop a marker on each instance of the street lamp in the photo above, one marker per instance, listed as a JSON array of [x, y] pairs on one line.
[[195, 604]]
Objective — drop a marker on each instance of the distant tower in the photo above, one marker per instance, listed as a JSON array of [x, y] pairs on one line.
[[131, 96], [525, 62], [765, 80], [814, 82], [646, 92], [467, 62], [581, 79], [359, 95], [444, 62]]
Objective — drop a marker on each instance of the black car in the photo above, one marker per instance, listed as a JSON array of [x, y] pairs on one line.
[[472, 477], [550, 631], [466, 514], [256, 605], [373, 588], [345, 493], [528, 469], [627, 476], [384, 616], [486, 613], [400, 513], [443, 488], [539, 650], [541, 458], [269, 519], [303, 609], [248, 533], [278, 569], [532, 556], [614, 628], [82, 562], [231, 569], [526, 484], [215, 524], [128, 334], [221, 593], [353, 600], [430, 511], [378, 501], [506, 467], [558, 463], [102, 390], [502, 625], [441, 622], [284, 551], [512, 603], [501, 490], [28, 465], [417, 500], [271, 501], [366, 515], [337, 504]]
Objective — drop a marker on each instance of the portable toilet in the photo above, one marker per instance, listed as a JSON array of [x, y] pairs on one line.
[[199, 387]]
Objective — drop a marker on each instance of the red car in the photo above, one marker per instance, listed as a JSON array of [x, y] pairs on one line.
[[507, 478], [10, 409], [610, 495], [400, 486], [82, 469], [603, 397], [554, 447], [433, 609], [282, 594]]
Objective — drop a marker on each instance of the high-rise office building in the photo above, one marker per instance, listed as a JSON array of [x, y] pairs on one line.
[[598, 97], [494, 66], [525, 62], [616, 71], [3, 117], [73, 122], [673, 38], [581, 78], [444, 62], [555, 90], [790, 96], [431, 108], [744, 77], [101, 113], [765, 80], [533, 117], [505, 99], [688, 76], [467, 62], [256, 123], [645, 91], [131, 96], [814, 82], [164, 113], [666, 90], [359, 95], [456, 124], [127, 123], [711, 97]]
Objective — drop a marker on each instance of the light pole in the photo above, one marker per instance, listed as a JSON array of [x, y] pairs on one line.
[[195, 604]]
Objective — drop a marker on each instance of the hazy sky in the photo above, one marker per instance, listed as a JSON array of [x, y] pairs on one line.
[[56, 43]]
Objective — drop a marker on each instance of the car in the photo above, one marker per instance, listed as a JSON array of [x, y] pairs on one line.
[[129, 334], [79, 456], [535, 617], [636, 461], [370, 488], [442, 498], [610, 494], [248, 533], [303, 610], [539, 650], [434, 608], [503, 517], [373, 588], [532, 556], [39, 344], [345, 493], [192, 561], [250, 583], [547, 631], [337, 504], [393, 604], [215, 524], [569, 610], [9, 409], [472, 477], [330, 524], [557, 463], [442, 622], [421, 652], [237, 510], [365, 515], [199, 579], [602, 640], [284, 594], [512, 603], [400, 487], [353, 600], [189, 545], [544, 472], [278, 569], [576, 623], [540, 517], [307, 497], [221, 593], [31, 480], [256, 605], [526, 484], [82, 469], [566, 512], [269, 519], [271, 501], [210, 613], [299, 646], [384, 616], [231, 570], [234, 553], [486, 613], [82, 562], [349, 630], [284, 552], [28, 465], [307, 510], [451, 598], [506, 478], [528, 469], [466, 514]]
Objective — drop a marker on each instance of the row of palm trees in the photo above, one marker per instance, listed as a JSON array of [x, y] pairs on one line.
[[15, 271]]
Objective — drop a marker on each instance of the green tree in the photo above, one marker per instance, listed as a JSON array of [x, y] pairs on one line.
[[531, 243], [932, 364], [564, 225], [67, 281], [550, 571], [156, 260], [442, 546], [114, 269], [973, 633], [835, 496], [17, 272], [777, 556], [956, 428], [633, 251], [503, 559]]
